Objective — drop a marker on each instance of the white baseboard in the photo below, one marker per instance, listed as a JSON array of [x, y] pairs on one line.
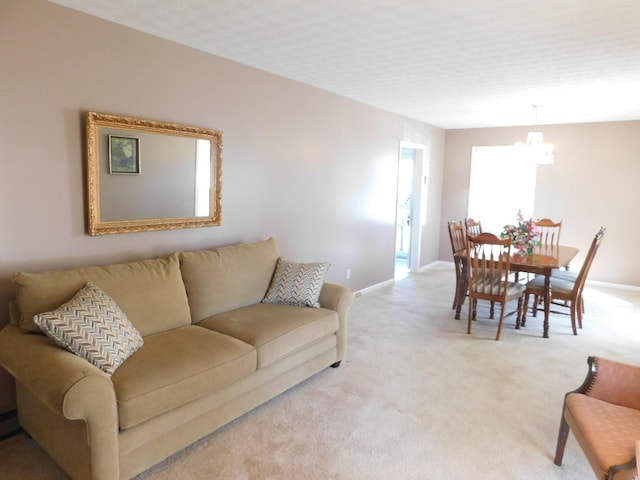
[[619, 286], [373, 288], [436, 264], [448, 264], [377, 286]]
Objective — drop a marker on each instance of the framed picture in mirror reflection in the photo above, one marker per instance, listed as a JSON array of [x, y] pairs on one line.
[[124, 155]]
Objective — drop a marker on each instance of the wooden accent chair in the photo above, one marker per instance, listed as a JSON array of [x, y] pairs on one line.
[[458, 245], [604, 416], [565, 292], [549, 231], [488, 260], [472, 227]]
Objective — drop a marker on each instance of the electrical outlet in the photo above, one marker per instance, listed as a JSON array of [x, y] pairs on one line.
[[348, 273]]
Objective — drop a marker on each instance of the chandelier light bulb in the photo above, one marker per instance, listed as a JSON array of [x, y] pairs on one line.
[[536, 149]]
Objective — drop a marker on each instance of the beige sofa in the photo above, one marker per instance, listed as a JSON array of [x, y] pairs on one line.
[[212, 351]]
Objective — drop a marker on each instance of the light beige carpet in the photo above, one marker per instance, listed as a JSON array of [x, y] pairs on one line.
[[416, 398]]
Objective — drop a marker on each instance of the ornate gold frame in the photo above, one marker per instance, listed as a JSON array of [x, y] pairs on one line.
[[95, 121]]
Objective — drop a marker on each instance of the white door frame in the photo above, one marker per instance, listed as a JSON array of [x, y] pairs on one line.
[[418, 196]]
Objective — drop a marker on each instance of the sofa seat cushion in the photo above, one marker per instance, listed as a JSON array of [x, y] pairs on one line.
[[606, 432], [275, 330], [175, 367]]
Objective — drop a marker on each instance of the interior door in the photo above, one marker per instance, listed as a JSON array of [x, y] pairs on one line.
[[404, 207]]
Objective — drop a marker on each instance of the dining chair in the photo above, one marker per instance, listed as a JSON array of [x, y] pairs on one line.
[[549, 231], [458, 245], [565, 292], [472, 227], [488, 260]]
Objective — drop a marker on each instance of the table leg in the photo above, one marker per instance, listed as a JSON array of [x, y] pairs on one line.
[[547, 304]]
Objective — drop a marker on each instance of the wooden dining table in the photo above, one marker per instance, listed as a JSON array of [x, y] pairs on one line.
[[543, 260]]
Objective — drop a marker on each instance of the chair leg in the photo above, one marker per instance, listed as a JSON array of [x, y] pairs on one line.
[[518, 313], [574, 307], [580, 311], [456, 294], [472, 307], [536, 302], [500, 322], [579, 318], [492, 309], [523, 319], [462, 295], [563, 434]]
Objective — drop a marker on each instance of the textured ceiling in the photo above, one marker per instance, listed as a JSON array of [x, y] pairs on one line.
[[450, 63]]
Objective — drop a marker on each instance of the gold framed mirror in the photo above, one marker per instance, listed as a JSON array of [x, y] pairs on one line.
[[146, 175]]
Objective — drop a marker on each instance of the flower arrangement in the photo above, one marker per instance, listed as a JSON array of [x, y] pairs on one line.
[[524, 235]]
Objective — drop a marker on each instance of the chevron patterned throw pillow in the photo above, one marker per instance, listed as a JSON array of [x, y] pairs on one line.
[[296, 283], [93, 327]]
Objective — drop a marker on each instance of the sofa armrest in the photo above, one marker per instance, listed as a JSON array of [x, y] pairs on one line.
[[46, 370], [70, 387], [613, 382], [339, 299]]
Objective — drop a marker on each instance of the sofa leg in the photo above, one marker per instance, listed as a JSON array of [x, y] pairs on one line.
[[563, 434], [336, 365]]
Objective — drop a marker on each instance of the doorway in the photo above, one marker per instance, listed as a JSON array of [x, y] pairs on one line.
[[409, 208]]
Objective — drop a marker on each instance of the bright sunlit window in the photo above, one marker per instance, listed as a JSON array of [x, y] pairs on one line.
[[502, 181]]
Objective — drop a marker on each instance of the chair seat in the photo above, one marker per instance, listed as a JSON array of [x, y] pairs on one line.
[[515, 289], [565, 275], [605, 430], [559, 286], [489, 287]]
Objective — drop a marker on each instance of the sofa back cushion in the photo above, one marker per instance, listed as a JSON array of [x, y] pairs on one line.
[[150, 292], [228, 277]]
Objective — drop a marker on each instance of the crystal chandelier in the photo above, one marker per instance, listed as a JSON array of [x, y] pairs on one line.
[[536, 149]]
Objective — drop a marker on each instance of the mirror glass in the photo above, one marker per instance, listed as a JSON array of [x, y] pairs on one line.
[[146, 175]]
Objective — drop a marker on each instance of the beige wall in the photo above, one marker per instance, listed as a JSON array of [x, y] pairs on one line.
[[593, 183], [313, 169]]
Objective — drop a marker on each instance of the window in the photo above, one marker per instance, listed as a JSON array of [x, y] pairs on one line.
[[502, 181]]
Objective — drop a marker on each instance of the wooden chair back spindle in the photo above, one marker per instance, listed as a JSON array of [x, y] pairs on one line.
[[549, 231]]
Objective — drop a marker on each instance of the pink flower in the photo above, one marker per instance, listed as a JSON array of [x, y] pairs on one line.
[[525, 233]]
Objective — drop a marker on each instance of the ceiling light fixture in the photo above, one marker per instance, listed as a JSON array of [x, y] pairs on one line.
[[536, 149]]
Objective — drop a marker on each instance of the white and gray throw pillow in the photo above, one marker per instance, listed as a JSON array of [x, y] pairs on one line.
[[92, 326], [297, 283]]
